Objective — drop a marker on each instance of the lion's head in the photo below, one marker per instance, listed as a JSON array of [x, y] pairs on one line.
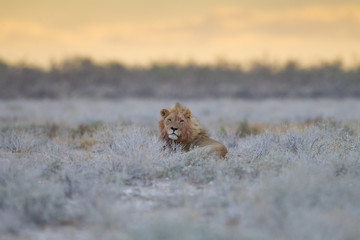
[[176, 123]]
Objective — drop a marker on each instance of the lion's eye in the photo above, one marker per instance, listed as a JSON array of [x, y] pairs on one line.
[[181, 120], [169, 120]]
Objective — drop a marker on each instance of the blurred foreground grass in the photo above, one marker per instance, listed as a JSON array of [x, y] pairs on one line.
[[113, 181]]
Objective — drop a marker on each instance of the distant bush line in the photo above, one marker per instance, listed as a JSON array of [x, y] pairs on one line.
[[84, 78]]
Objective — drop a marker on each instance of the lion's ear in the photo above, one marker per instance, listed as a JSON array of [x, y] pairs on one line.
[[164, 113], [187, 113]]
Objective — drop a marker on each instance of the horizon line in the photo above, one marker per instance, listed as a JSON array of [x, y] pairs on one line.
[[216, 61]]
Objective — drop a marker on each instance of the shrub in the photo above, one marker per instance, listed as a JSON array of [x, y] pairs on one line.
[[18, 141]]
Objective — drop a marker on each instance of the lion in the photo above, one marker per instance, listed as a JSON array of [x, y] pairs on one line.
[[177, 125]]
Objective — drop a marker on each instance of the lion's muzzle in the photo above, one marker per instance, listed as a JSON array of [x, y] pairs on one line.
[[173, 134]]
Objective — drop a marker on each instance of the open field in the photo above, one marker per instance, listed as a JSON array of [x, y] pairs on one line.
[[146, 112], [86, 169]]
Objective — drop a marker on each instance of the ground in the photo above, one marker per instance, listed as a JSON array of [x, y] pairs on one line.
[[88, 169]]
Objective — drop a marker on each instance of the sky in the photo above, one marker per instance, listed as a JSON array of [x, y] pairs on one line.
[[140, 32]]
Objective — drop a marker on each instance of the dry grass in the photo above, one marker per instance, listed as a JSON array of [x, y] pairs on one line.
[[96, 170], [113, 181]]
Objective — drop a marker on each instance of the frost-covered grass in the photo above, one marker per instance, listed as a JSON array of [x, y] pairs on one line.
[[114, 181]]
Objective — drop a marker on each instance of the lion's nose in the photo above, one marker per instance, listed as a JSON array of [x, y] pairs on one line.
[[174, 129]]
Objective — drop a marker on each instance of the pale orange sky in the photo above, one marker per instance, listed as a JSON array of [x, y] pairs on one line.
[[138, 32]]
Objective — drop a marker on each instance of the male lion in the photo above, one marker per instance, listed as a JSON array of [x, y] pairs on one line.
[[177, 125]]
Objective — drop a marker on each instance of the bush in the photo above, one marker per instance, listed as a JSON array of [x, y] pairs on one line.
[[18, 141]]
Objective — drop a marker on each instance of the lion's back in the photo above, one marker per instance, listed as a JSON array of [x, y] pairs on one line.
[[212, 146]]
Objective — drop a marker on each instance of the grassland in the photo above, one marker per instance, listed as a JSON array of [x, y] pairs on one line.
[[95, 170]]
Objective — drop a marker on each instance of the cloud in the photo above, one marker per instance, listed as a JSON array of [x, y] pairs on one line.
[[315, 22]]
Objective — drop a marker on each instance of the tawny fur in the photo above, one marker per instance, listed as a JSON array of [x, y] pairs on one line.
[[189, 132]]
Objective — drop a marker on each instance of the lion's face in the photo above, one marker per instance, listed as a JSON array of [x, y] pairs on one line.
[[175, 125]]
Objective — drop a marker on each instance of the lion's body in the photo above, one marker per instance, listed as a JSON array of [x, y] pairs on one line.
[[178, 126]]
